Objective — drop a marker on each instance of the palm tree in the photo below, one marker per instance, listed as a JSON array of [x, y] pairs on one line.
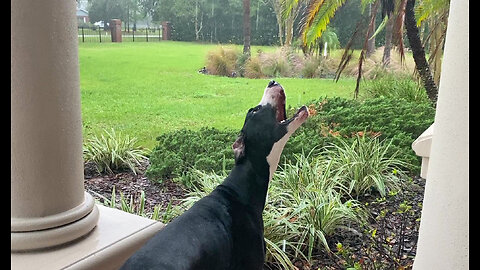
[[319, 13], [434, 15], [278, 8], [317, 17], [418, 51]]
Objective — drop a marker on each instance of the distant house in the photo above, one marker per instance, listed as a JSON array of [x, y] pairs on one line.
[[82, 16]]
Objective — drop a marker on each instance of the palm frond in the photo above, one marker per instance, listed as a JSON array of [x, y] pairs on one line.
[[380, 27], [319, 13], [388, 7], [426, 8], [287, 7], [347, 53], [397, 37], [365, 3], [361, 59]]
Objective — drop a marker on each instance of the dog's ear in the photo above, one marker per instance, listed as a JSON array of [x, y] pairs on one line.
[[239, 147]]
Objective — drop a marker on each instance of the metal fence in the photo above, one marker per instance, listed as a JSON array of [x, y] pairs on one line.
[[99, 34]]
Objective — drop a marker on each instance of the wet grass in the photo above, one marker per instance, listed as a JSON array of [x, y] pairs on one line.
[[145, 89]]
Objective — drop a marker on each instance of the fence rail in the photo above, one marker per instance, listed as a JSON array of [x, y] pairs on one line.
[[99, 34]]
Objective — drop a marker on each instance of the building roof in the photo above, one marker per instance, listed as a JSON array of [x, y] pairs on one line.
[[82, 12]]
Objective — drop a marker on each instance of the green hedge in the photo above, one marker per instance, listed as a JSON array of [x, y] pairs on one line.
[[207, 149], [210, 149], [387, 118]]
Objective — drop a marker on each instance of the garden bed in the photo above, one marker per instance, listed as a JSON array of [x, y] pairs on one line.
[[388, 240]]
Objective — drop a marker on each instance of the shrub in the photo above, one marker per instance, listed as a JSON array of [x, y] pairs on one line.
[[210, 149], [113, 152], [310, 67], [364, 165], [387, 118], [394, 86], [222, 61], [275, 64], [240, 65], [207, 149], [136, 205], [253, 68], [312, 189]]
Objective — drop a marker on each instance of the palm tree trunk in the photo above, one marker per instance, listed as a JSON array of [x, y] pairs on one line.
[[196, 20], [371, 40], [277, 8], [246, 27], [418, 51], [289, 30], [388, 41]]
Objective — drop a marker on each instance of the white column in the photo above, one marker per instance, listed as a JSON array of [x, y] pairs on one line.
[[48, 203], [443, 240]]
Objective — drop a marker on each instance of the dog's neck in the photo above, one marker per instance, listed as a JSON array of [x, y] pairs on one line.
[[250, 184]]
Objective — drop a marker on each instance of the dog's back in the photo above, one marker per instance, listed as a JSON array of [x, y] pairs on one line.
[[218, 232]]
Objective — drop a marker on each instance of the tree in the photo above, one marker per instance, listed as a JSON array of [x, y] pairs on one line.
[[372, 10], [321, 11], [278, 8], [246, 27], [198, 25], [388, 40], [388, 9], [316, 18], [289, 20], [433, 14], [99, 11], [418, 51]]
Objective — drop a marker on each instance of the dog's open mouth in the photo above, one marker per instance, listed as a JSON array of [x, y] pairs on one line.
[[275, 96], [301, 115]]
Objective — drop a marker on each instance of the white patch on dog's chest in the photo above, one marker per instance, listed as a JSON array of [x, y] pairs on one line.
[[274, 157]]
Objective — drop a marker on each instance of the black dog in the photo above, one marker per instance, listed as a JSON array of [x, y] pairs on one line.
[[224, 230]]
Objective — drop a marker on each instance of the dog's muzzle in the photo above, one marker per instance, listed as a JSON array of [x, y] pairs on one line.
[[275, 96]]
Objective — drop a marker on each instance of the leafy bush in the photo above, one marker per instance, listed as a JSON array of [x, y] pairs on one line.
[[113, 152], [210, 149], [207, 149], [382, 117], [136, 205]]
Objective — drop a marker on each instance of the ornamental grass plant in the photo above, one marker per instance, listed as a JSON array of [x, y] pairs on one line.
[[366, 165], [113, 151]]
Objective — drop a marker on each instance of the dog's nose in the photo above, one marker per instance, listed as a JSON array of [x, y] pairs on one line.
[[272, 83], [273, 94]]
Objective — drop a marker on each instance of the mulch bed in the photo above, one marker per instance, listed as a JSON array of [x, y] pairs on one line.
[[387, 241], [100, 187]]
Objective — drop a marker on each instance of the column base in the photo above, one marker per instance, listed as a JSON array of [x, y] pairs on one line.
[[50, 231], [116, 237]]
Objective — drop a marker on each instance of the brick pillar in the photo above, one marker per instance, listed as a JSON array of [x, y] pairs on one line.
[[116, 30], [166, 28]]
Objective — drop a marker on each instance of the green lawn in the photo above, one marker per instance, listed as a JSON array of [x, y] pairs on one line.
[[146, 89]]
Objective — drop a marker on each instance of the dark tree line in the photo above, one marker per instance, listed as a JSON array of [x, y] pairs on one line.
[[220, 21], [216, 21]]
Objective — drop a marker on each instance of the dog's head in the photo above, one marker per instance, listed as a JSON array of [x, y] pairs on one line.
[[266, 129]]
